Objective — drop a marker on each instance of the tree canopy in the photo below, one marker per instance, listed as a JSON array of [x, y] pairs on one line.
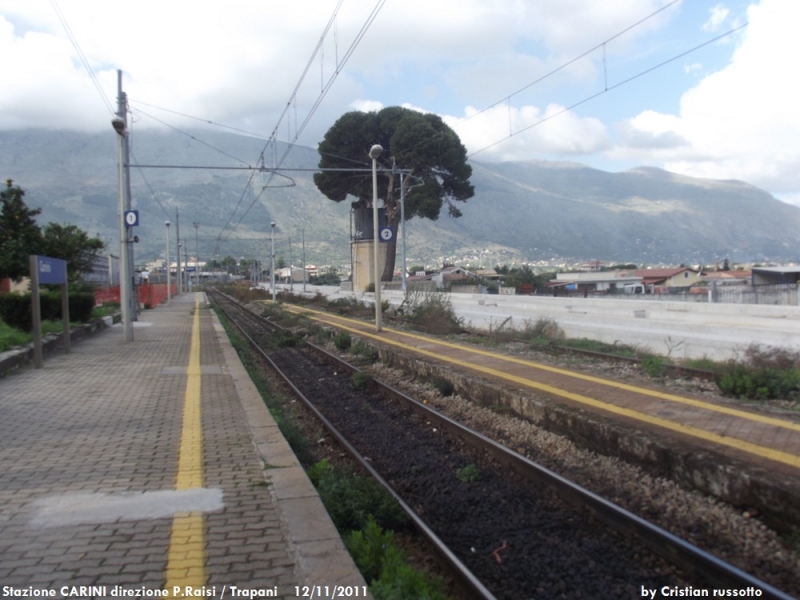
[[421, 143], [19, 233], [21, 236]]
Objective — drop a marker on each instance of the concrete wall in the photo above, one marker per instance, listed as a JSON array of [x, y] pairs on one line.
[[680, 329]]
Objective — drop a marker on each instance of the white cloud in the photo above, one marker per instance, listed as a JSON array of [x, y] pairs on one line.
[[741, 122], [503, 134], [366, 105], [718, 15]]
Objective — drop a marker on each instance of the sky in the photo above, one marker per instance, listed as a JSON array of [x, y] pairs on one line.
[[517, 80]]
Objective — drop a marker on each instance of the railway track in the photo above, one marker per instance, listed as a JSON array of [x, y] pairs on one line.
[[508, 527]]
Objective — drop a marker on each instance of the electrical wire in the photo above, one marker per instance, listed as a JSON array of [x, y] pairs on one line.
[[81, 55], [189, 135], [613, 87], [293, 99]]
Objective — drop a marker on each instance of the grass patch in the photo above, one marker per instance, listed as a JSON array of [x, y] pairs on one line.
[[383, 565], [468, 474], [342, 341], [10, 337], [364, 351], [351, 500], [360, 380], [109, 308], [761, 374]]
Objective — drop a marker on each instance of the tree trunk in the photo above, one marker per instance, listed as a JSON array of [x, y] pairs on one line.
[[391, 248]]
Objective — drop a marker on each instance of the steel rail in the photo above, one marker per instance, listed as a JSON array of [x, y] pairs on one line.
[[672, 548], [464, 575]]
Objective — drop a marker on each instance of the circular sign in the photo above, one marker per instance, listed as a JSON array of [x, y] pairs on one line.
[[386, 234], [132, 218]]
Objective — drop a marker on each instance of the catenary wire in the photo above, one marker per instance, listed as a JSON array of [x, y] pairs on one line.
[[81, 55]]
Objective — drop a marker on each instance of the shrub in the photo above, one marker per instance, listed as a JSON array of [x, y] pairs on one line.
[[383, 565], [360, 380], [764, 373], [352, 499], [365, 351], [444, 386], [15, 309], [342, 340], [468, 474], [431, 312], [653, 366]]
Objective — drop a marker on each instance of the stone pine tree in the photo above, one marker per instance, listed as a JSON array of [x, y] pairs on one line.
[[411, 140], [20, 235]]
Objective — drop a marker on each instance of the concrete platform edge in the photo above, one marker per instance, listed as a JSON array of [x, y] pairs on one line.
[[319, 551]]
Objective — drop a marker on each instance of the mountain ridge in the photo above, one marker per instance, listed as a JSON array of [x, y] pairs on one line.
[[524, 211]]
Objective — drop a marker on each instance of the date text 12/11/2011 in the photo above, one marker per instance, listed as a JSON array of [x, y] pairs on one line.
[[331, 591]]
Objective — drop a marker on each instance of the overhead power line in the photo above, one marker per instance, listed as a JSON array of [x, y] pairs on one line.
[[82, 56], [608, 88], [325, 87]]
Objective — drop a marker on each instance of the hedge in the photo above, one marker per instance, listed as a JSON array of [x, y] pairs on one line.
[[15, 309]]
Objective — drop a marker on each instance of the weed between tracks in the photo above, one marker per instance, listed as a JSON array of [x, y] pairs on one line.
[[363, 512]]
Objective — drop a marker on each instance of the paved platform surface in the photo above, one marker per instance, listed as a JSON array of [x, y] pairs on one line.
[[154, 465]]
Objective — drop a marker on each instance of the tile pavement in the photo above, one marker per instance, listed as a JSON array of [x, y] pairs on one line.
[[106, 420]]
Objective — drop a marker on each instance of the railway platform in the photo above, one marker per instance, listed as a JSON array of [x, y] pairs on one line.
[[153, 468], [743, 454]]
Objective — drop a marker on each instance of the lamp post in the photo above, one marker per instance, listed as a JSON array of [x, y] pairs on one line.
[[120, 126], [169, 283], [272, 265], [374, 153], [196, 256], [178, 272]]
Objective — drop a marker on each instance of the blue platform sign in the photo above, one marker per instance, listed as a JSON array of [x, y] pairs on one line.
[[51, 270], [386, 234]]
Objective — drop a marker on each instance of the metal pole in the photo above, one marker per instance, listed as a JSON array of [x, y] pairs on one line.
[[304, 260], [178, 241], [169, 283], [196, 255], [120, 125], [403, 225], [291, 268], [374, 153], [272, 266]]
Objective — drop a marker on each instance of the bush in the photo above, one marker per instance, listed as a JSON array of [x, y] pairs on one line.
[[360, 380], [764, 373], [15, 309], [342, 340], [653, 366], [383, 565], [444, 386], [352, 499], [365, 351], [431, 312]]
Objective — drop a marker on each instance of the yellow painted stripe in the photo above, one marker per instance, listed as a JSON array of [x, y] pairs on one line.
[[186, 554], [770, 453], [742, 414]]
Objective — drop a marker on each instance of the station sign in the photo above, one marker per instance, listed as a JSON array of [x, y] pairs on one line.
[[51, 270]]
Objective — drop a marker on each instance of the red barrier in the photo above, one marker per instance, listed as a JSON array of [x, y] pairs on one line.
[[106, 295], [153, 294], [148, 294]]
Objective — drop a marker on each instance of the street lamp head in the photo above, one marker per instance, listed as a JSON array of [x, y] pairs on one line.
[[375, 151], [166, 223], [272, 224], [119, 125]]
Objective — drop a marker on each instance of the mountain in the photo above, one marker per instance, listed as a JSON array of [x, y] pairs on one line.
[[532, 210]]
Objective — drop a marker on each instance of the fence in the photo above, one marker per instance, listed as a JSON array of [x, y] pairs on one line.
[[782, 294], [149, 295]]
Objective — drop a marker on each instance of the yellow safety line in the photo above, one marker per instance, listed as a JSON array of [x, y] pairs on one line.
[[614, 384], [186, 555], [776, 455]]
